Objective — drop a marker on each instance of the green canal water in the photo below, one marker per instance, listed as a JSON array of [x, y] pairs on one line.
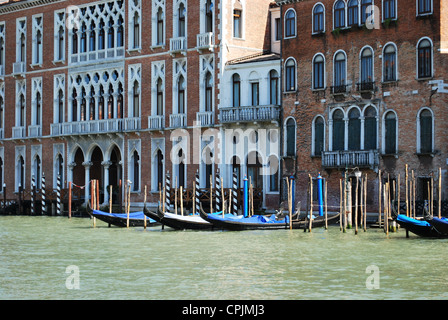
[[58, 258]]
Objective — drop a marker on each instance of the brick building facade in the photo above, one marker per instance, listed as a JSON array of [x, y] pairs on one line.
[[107, 89], [364, 90]]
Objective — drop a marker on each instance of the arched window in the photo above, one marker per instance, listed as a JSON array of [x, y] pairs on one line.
[[181, 95], [366, 69], [2, 114], [75, 41], [339, 72], [36, 171], [136, 100], [209, 16], [290, 137], [390, 133], [21, 122], [120, 33], [160, 27], [290, 75], [273, 87], [208, 92], [319, 133], [159, 97], [60, 168], [61, 43], [20, 173], [74, 106], [110, 34], [370, 128], [101, 36], [1, 175], [92, 37], [38, 109], [353, 13], [354, 130], [83, 38], [181, 168], [339, 14], [389, 63], [318, 72], [236, 94], [135, 171], [318, 18], [22, 48], [236, 168], [338, 131], [181, 22], [38, 47], [254, 172], [290, 23], [424, 58], [159, 171], [136, 38], [426, 128]]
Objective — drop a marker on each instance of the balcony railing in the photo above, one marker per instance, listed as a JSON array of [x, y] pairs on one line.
[[340, 89], [132, 124], [86, 127], [350, 159], [178, 120], [365, 86], [18, 67], [35, 131], [97, 55], [205, 118], [18, 132], [249, 114], [205, 41], [156, 122], [178, 44]]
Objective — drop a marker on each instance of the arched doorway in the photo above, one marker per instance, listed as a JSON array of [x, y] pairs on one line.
[[96, 170], [78, 170]]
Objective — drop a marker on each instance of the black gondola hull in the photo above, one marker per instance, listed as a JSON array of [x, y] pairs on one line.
[[180, 222]]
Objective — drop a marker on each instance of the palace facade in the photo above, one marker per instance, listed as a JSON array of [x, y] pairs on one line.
[[365, 89], [132, 90]]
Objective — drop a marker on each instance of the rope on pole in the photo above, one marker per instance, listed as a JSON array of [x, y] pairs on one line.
[[235, 195], [168, 192], [218, 191], [197, 200], [33, 183]]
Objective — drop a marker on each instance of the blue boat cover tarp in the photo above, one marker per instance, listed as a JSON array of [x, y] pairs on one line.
[[254, 219], [139, 215], [415, 222]]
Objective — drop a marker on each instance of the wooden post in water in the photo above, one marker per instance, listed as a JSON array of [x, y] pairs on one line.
[[175, 194], [340, 204], [70, 200], [194, 198], [92, 199], [211, 194], [181, 197], [407, 190], [144, 205], [290, 201], [97, 194], [399, 194], [440, 193], [110, 198], [413, 191], [345, 201], [379, 197], [365, 204], [223, 198], [326, 216], [129, 204], [356, 207], [432, 194], [311, 202]]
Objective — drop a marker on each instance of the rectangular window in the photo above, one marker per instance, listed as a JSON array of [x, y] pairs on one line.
[[255, 93], [278, 29], [424, 7], [237, 24], [389, 9]]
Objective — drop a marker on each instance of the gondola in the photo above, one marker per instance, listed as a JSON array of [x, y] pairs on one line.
[[421, 228], [261, 222], [136, 219], [440, 224], [179, 222]]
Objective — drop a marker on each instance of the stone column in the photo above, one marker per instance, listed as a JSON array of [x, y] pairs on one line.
[[106, 165], [87, 165]]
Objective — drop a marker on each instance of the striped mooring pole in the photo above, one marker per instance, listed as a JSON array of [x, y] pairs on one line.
[[218, 191], [167, 192], [198, 202], [44, 207], [235, 194], [33, 183], [58, 196]]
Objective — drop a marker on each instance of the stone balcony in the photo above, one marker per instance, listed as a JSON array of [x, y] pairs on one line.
[[95, 126], [178, 120], [178, 45], [350, 159], [156, 122], [205, 41], [265, 113]]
